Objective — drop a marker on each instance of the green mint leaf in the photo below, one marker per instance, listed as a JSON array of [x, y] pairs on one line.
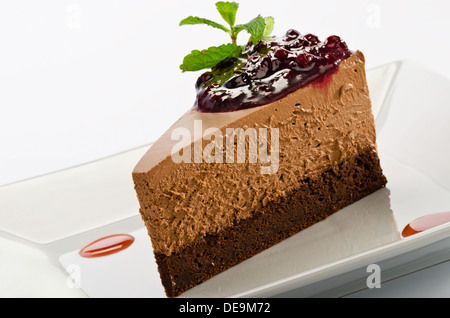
[[270, 21], [255, 27], [259, 28], [197, 20], [228, 11], [198, 60]]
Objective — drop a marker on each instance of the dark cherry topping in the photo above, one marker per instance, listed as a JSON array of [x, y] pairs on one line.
[[268, 71]]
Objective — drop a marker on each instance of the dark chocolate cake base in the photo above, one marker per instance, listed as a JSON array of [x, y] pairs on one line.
[[313, 201]]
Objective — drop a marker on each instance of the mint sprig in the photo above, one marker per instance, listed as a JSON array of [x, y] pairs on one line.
[[258, 28], [199, 60]]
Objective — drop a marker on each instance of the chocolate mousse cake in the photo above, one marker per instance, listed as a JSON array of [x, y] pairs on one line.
[[278, 139]]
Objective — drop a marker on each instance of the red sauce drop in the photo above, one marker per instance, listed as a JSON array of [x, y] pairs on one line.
[[107, 245], [425, 223]]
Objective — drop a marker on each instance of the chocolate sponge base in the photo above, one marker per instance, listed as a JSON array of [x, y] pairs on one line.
[[313, 201]]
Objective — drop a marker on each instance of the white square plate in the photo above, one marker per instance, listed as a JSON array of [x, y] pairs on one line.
[[62, 212]]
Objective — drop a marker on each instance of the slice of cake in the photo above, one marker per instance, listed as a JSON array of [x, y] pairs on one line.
[[279, 139]]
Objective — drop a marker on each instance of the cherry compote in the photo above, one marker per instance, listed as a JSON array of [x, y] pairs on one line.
[[268, 71]]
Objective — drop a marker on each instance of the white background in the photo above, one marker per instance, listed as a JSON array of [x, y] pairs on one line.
[[81, 80]]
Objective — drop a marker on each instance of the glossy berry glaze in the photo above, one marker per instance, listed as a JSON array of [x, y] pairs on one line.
[[268, 71]]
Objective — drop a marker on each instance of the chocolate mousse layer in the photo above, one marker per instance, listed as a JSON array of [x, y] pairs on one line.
[[327, 158], [313, 201]]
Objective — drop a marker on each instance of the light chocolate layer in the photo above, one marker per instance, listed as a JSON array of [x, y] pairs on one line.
[[313, 201], [319, 127]]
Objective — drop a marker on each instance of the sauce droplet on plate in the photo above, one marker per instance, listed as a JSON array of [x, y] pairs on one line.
[[107, 245], [425, 223]]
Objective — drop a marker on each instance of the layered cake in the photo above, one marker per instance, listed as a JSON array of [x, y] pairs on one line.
[[277, 140]]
